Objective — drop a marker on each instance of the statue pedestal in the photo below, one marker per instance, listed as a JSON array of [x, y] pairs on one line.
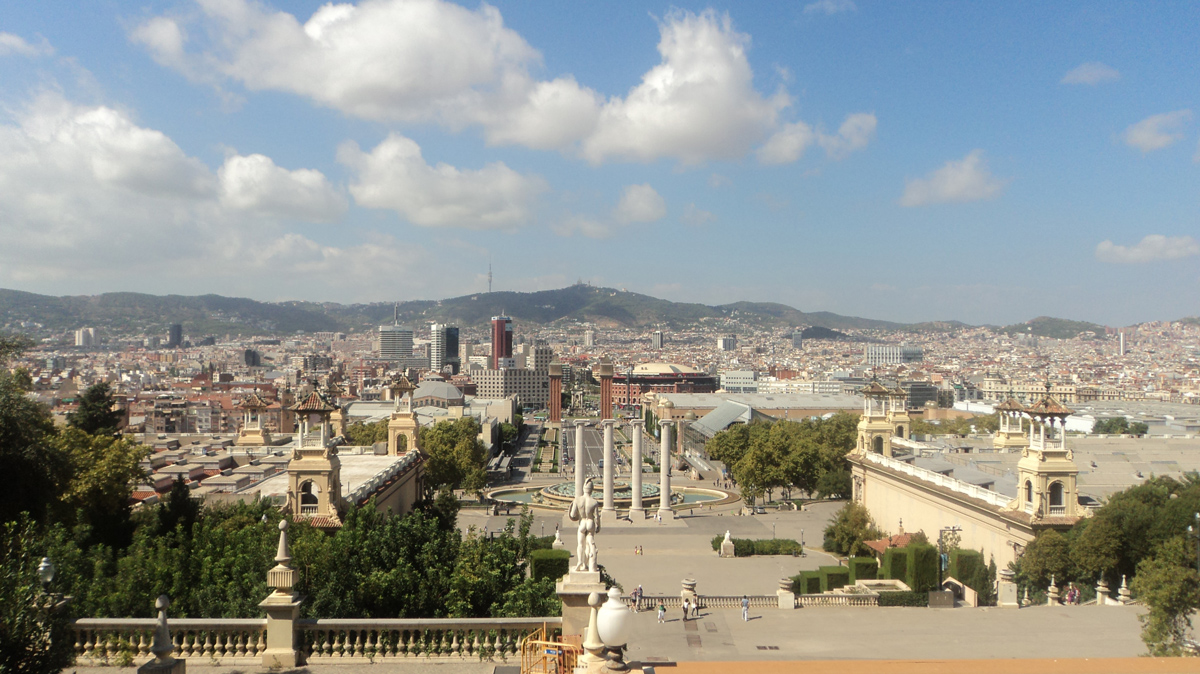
[[1006, 595], [727, 549], [573, 589], [637, 514], [168, 666], [608, 517], [282, 614]]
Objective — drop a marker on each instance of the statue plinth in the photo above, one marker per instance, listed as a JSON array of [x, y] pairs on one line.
[[573, 589]]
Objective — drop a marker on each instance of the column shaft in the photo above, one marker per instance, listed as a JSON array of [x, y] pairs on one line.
[[578, 458], [664, 470], [609, 460], [635, 465]]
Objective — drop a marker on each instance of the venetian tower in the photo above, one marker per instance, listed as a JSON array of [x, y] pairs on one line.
[[314, 473], [1046, 473], [875, 428], [1011, 436], [253, 432], [897, 414], [404, 420]]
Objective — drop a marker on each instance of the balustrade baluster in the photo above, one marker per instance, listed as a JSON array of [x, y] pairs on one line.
[[88, 643], [142, 647], [475, 645], [455, 645], [208, 643], [358, 643], [110, 646]]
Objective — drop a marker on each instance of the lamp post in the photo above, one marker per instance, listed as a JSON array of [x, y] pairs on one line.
[[941, 550]]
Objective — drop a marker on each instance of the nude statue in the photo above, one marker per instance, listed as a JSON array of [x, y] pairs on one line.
[[586, 510]]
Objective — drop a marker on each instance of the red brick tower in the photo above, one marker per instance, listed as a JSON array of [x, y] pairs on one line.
[[606, 381], [555, 395]]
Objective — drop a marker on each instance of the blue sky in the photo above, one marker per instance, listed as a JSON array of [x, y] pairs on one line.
[[986, 162]]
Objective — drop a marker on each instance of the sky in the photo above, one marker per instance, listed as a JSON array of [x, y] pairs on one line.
[[982, 162]]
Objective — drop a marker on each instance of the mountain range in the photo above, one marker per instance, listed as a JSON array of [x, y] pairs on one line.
[[133, 313]]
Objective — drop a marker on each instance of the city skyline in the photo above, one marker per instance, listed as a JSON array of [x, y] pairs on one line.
[[972, 163]]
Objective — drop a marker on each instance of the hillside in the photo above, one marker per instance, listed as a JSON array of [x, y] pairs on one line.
[[1058, 328]]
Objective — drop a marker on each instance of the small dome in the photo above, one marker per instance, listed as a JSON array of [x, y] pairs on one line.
[[668, 405], [690, 416]]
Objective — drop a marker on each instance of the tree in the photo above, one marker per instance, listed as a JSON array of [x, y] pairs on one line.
[[363, 434], [455, 454], [95, 414], [851, 527], [835, 483], [1047, 555], [1171, 591], [1096, 548], [35, 633], [26, 447], [103, 472]]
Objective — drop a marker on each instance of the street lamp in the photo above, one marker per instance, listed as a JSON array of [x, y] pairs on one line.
[[941, 550], [46, 572]]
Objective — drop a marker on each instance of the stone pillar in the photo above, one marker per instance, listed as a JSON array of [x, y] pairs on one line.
[[606, 401], [636, 511], [579, 476], [1052, 593], [555, 395], [162, 646], [664, 473], [574, 589], [1006, 595], [283, 609], [787, 598], [1123, 594], [688, 590], [609, 460], [1102, 596]]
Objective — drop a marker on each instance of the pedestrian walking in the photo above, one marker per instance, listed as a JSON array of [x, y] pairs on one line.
[[696, 607], [745, 608], [686, 608], [662, 612]]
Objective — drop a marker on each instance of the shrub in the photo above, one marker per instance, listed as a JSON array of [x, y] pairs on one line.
[[552, 564], [895, 564], [743, 547], [716, 542], [924, 568], [807, 582], [833, 577], [904, 599], [777, 546], [862, 568]]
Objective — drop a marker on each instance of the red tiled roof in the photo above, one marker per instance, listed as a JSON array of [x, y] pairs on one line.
[[313, 403], [881, 545], [142, 495], [1010, 405], [253, 402], [324, 522], [1048, 407]]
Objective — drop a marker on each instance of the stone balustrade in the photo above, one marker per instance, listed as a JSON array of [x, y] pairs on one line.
[[835, 599], [651, 602], [223, 640], [974, 491], [381, 478], [360, 640]]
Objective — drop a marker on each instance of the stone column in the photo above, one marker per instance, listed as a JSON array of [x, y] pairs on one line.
[[664, 470], [283, 609], [636, 511], [579, 476], [609, 460]]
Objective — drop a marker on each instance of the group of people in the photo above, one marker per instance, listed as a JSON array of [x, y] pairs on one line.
[[689, 606], [637, 550]]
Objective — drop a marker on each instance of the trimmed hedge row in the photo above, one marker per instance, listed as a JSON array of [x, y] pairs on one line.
[[807, 582], [862, 568], [833, 577], [904, 599], [552, 564], [746, 547], [916, 565]]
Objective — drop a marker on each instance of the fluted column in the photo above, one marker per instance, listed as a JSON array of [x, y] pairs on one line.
[[579, 476], [609, 460], [664, 469], [635, 467]]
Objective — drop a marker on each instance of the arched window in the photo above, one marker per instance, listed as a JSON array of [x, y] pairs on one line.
[[308, 493], [900, 432], [1056, 494], [877, 444], [1028, 491]]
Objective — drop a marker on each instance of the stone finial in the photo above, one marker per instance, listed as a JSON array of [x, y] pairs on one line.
[[1123, 594], [282, 577], [1026, 602], [162, 646], [1102, 595], [785, 584], [1052, 593]]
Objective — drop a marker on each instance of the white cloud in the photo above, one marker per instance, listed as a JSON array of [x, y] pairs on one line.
[[853, 134], [164, 38], [255, 183], [90, 198], [395, 176], [787, 144], [830, 7], [640, 203], [583, 226], [959, 181], [1092, 72], [15, 44], [1158, 131], [1152, 248], [717, 181], [699, 104], [695, 216]]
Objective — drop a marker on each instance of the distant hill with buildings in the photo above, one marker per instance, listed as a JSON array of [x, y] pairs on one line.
[[605, 307], [1058, 328]]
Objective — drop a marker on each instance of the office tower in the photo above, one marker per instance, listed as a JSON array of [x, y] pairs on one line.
[[502, 342], [589, 338], [727, 343], [888, 354], [451, 349], [437, 347], [174, 335], [252, 358], [539, 357], [797, 340], [656, 340], [85, 337]]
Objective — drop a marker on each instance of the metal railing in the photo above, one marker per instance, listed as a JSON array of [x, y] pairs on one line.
[[974, 491], [541, 656], [123, 640], [368, 640]]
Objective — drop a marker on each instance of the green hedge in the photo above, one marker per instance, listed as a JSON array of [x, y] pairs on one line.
[[746, 547], [807, 582], [916, 565], [904, 599], [552, 564], [895, 564], [965, 565], [833, 577], [862, 568]]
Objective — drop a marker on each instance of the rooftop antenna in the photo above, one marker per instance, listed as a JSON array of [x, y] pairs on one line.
[[489, 278]]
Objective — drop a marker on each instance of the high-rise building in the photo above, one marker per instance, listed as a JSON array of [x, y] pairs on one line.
[[502, 341], [1121, 336], [727, 343], [890, 354], [443, 348], [656, 340], [174, 335], [797, 340], [85, 337], [589, 338], [395, 342]]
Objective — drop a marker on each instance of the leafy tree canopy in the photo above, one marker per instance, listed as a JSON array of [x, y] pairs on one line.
[[96, 414]]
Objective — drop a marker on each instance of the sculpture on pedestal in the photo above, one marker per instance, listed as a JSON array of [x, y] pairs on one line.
[[586, 510]]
